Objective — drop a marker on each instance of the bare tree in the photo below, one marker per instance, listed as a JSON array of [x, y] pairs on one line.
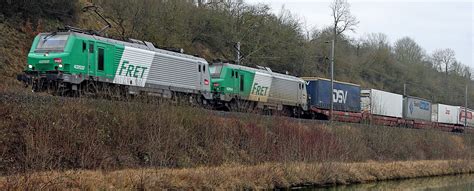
[[443, 57], [468, 71], [407, 51], [446, 58], [343, 19], [375, 41], [457, 67]]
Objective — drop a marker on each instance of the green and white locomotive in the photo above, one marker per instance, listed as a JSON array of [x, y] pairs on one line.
[[239, 87], [77, 62]]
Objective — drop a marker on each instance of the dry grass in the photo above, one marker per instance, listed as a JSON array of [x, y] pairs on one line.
[[42, 133], [268, 175], [67, 143]]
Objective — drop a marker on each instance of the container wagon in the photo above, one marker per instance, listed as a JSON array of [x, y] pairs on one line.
[[417, 112], [382, 108], [446, 117], [345, 98]]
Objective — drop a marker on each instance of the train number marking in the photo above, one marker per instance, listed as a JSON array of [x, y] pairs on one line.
[[79, 67]]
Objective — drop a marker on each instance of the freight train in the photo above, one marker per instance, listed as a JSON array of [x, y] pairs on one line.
[[76, 62]]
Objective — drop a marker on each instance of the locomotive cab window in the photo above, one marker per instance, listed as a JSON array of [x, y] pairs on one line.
[[215, 70], [199, 68], [204, 69], [101, 59], [91, 48], [52, 42]]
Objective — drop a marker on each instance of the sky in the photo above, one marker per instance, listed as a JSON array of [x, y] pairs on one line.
[[433, 24]]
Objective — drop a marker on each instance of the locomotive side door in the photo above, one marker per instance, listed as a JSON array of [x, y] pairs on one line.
[[299, 95], [236, 82], [91, 60], [100, 60], [205, 78], [241, 82], [199, 76]]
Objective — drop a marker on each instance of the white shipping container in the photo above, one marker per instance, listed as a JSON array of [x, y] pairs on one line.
[[379, 102], [445, 113]]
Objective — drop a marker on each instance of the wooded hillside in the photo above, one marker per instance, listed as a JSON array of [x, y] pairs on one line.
[[211, 30]]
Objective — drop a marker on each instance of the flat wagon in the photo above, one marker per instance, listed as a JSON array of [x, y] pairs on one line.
[[345, 98], [381, 107]]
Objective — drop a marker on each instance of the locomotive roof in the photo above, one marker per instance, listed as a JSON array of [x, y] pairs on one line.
[[263, 71], [135, 45]]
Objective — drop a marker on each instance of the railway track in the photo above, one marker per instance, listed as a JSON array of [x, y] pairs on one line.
[[28, 98], [311, 122]]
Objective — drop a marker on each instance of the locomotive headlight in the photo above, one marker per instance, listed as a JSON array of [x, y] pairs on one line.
[[30, 66], [60, 65]]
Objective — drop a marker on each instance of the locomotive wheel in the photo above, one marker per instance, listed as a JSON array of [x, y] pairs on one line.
[[62, 89], [241, 106], [90, 89]]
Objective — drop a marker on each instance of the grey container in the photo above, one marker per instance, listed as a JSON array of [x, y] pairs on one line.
[[416, 108]]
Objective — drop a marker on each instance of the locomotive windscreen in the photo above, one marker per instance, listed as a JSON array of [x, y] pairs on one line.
[[215, 70], [52, 42]]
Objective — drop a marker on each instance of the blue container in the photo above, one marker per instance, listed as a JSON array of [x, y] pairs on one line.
[[346, 96]]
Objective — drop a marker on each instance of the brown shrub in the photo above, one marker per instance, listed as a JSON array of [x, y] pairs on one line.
[[41, 132]]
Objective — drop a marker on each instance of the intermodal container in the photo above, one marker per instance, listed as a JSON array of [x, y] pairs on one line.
[[469, 119], [345, 96], [445, 113], [416, 108], [378, 102]]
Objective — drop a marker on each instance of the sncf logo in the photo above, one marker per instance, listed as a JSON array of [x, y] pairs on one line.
[[339, 96]]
